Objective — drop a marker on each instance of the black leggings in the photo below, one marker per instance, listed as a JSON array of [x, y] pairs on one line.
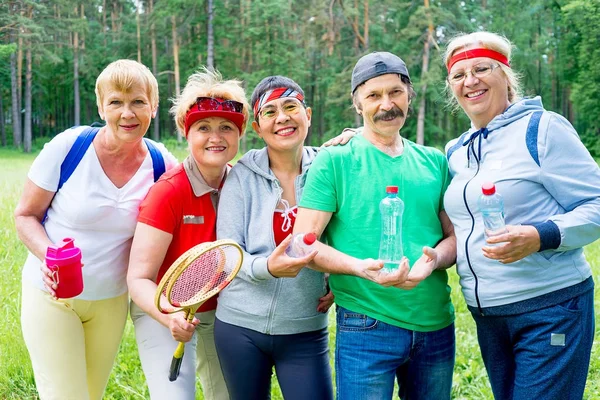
[[247, 357]]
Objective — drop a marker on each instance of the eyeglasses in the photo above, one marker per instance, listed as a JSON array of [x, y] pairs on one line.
[[212, 104], [290, 108], [479, 71]]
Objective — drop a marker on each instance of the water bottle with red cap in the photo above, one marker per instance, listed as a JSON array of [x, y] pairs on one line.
[[491, 206], [390, 246], [302, 245], [64, 260]]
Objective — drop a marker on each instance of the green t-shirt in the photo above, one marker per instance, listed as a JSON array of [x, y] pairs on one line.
[[349, 181]]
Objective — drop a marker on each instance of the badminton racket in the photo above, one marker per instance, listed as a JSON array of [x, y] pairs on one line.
[[197, 275]]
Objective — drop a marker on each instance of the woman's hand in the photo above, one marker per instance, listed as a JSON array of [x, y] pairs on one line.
[[342, 138], [280, 265], [49, 283], [519, 242], [181, 329]]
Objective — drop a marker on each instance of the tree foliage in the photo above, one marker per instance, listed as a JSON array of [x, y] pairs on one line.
[[316, 42]]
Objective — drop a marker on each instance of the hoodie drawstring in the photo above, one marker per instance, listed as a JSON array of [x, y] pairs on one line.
[[287, 213], [469, 142]]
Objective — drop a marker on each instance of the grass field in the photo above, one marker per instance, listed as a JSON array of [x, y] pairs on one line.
[[127, 379]]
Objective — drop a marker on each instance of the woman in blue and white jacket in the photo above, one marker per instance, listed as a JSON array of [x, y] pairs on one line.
[[529, 290]]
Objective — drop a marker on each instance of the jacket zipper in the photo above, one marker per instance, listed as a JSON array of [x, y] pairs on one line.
[[471, 147], [278, 281]]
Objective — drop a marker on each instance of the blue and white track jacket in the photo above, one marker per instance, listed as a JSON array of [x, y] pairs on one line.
[[548, 179]]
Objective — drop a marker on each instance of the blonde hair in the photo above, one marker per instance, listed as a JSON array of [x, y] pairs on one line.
[[207, 83], [123, 75], [490, 41]]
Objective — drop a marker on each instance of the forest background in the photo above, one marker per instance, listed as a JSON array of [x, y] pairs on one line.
[[51, 52]]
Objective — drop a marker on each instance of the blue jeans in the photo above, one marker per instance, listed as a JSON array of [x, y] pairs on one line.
[[370, 354], [542, 354]]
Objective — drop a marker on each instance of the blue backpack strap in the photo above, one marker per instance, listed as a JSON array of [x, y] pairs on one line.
[[531, 137], [74, 156], [158, 162]]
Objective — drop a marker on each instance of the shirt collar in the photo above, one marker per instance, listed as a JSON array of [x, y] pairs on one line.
[[199, 185]]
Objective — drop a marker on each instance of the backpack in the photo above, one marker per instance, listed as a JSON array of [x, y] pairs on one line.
[[83, 142]]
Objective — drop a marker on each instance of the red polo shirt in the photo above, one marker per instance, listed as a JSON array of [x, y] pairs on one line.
[[180, 203]]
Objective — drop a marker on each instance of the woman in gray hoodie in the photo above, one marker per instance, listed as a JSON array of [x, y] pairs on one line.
[[274, 314]]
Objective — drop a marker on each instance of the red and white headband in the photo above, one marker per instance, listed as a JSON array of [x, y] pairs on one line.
[[276, 94], [474, 53]]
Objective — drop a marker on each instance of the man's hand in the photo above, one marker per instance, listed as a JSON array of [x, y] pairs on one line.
[[280, 265], [420, 270], [519, 242], [373, 270]]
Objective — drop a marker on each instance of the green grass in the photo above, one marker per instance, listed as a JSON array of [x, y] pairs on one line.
[[127, 380]]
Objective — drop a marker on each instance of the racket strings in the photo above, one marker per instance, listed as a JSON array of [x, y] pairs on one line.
[[204, 275]]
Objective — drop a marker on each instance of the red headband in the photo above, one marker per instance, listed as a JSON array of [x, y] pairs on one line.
[[275, 94], [474, 53], [194, 115]]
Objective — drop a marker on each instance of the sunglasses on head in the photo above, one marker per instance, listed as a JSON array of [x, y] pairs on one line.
[[212, 104]]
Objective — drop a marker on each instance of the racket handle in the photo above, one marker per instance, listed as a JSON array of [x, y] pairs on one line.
[[176, 362]]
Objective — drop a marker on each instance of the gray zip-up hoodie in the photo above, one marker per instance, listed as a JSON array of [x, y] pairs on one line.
[[255, 299], [548, 179]]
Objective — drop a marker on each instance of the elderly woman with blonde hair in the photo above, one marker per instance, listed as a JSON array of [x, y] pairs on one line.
[[73, 342], [529, 286], [179, 213]]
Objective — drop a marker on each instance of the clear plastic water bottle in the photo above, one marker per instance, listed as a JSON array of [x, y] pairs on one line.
[[302, 244], [390, 246], [491, 206]]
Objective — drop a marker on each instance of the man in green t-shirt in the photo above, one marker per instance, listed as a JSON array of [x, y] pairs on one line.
[[389, 324]]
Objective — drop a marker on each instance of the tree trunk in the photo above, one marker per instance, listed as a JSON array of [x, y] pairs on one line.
[[176, 64], [104, 21], [20, 68], [2, 130], [139, 37], [83, 32], [113, 19], [366, 24], [77, 108], [27, 130], [156, 131], [16, 109], [331, 29], [424, 70], [357, 118], [210, 56]]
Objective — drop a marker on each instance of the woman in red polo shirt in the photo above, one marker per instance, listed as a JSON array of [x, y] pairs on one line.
[[179, 213]]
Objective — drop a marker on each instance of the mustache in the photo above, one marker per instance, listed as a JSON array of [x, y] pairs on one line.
[[393, 113]]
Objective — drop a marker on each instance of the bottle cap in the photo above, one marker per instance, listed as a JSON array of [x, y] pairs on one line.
[[309, 238], [391, 189], [488, 188]]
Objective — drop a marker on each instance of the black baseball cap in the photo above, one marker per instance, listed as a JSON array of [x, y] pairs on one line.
[[375, 64]]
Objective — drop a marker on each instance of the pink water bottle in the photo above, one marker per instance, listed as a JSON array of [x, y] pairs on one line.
[[64, 261]]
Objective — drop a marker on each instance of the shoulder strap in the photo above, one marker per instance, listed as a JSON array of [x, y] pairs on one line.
[[158, 162], [531, 137], [76, 153]]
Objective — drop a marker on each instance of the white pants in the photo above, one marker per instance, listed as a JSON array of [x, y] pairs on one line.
[[156, 347]]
